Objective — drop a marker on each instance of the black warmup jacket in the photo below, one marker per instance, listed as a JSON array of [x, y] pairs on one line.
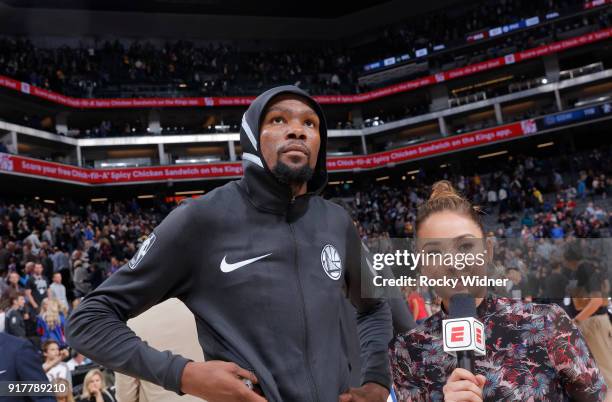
[[266, 276]]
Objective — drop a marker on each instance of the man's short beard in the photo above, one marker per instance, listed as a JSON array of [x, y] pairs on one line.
[[290, 176]]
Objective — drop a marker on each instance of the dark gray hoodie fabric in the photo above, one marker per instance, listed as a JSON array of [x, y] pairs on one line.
[[267, 277]]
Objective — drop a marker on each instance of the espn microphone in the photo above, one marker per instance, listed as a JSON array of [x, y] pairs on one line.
[[462, 333]]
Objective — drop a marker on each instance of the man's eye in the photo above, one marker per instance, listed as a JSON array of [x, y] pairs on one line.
[[277, 120], [309, 123]]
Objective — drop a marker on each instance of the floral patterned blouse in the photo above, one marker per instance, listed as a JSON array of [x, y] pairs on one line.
[[534, 353]]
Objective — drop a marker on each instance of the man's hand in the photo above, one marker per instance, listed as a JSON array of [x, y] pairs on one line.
[[217, 381], [369, 392], [463, 386], [51, 363]]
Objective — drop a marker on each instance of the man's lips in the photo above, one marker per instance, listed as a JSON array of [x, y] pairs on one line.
[[296, 149]]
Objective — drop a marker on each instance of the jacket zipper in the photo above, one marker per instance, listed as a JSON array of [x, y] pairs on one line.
[[304, 320]]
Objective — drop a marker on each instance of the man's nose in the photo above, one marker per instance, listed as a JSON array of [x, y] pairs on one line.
[[296, 131]]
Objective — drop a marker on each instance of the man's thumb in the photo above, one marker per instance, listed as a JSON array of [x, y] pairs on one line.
[[345, 398]]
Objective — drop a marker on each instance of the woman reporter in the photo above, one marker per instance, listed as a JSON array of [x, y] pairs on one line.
[[533, 352]]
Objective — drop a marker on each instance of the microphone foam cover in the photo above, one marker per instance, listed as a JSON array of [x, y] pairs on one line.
[[462, 305]]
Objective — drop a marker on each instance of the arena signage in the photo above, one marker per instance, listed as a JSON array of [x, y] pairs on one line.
[[596, 3], [573, 116], [14, 164], [51, 170], [325, 99], [431, 148]]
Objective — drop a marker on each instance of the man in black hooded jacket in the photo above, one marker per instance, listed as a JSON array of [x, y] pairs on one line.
[[265, 265]]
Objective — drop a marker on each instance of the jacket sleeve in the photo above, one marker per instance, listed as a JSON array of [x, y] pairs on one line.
[[408, 385], [570, 357], [373, 316], [402, 317], [160, 269]]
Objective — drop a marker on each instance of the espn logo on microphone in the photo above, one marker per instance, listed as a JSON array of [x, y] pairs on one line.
[[462, 334]]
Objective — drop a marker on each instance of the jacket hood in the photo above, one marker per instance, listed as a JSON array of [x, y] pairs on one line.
[[264, 189]]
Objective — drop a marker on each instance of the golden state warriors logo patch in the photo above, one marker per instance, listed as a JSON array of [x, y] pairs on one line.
[[142, 251], [330, 259]]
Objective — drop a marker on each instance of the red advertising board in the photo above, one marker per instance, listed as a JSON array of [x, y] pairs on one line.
[[14, 164], [325, 99], [596, 3], [448, 144], [51, 170]]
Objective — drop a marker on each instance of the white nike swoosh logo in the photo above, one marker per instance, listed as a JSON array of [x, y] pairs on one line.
[[2, 371], [227, 267]]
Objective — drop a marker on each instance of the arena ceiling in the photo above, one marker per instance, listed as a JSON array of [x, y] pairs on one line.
[[270, 20], [268, 8]]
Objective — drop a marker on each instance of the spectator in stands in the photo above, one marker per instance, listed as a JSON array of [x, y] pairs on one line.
[[45, 260], [537, 194], [77, 360], [34, 241], [518, 287], [47, 235], [557, 232], [555, 284], [57, 290], [36, 287], [28, 254], [53, 365], [96, 275], [28, 269], [16, 315], [13, 281], [592, 318], [416, 303], [50, 323], [60, 260], [581, 191], [114, 265], [4, 306], [94, 388], [66, 396], [4, 254], [81, 278], [492, 197]]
